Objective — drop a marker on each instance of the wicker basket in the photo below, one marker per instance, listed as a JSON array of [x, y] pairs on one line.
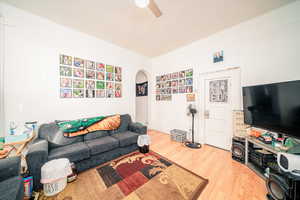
[[178, 135]]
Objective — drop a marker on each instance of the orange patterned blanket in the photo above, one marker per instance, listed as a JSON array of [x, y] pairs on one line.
[[109, 123]]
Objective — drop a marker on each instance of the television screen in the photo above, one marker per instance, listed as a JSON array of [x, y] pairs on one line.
[[275, 107]]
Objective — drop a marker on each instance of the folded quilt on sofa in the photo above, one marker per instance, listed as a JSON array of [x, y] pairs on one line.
[[88, 125]]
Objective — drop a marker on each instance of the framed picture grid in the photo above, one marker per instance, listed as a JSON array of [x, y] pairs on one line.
[[80, 78], [174, 83]]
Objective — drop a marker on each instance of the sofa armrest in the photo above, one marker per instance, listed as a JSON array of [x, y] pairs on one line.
[[36, 157], [10, 167], [137, 128]]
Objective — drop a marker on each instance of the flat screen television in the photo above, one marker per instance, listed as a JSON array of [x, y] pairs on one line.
[[275, 107]]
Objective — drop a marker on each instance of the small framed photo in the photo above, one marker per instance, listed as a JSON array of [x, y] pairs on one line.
[[100, 75], [110, 68], [189, 81], [110, 93], [66, 82], [218, 56], [157, 97], [78, 73], [110, 86], [189, 89], [78, 83], [100, 67], [189, 73], [190, 97], [118, 77], [65, 93], [90, 74], [100, 93], [65, 71], [169, 90], [65, 60], [100, 85], [78, 62], [182, 74], [78, 93], [90, 85], [90, 93], [162, 78], [118, 93], [158, 78], [90, 65], [181, 82], [182, 89], [174, 90], [175, 75], [169, 76], [118, 90], [168, 97], [175, 83], [110, 76], [118, 70], [169, 84]]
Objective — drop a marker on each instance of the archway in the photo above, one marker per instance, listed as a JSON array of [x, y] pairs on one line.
[[141, 99]]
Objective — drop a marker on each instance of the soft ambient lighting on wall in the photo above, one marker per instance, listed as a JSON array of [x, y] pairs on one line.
[[141, 3]]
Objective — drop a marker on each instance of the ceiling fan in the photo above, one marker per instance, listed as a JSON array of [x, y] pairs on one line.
[[150, 4]]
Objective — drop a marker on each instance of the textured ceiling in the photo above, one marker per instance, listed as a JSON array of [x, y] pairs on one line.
[[137, 29]]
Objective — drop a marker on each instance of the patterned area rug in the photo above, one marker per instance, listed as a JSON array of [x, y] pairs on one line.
[[138, 176]]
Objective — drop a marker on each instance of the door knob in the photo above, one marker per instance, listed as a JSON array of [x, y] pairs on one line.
[[206, 114]]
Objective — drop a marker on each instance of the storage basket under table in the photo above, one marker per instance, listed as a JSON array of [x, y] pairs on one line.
[[178, 135]]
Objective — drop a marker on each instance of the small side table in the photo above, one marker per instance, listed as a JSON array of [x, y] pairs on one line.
[[143, 143], [19, 146], [5, 152]]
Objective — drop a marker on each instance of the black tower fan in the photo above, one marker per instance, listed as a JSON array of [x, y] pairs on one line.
[[192, 144]]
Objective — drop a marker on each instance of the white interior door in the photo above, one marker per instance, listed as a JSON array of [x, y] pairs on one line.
[[222, 96]]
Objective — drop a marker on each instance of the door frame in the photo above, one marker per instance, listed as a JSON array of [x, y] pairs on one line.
[[2, 62], [148, 97], [235, 103]]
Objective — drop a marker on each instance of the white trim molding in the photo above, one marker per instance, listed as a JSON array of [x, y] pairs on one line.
[[2, 61]]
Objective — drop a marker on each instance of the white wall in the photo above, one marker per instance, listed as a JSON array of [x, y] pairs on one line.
[[33, 45], [266, 48], [1, 74], [141, 102]]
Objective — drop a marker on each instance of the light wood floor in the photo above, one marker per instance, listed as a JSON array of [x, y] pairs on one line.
[[228, 179]]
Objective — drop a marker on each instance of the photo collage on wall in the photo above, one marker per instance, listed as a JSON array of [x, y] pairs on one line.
[[81, 78], [174, 83]]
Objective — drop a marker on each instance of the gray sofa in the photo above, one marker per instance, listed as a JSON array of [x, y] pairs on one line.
[[85, 151], [11, 182]]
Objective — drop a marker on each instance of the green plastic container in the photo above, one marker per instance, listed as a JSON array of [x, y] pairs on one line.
[[1, 143]]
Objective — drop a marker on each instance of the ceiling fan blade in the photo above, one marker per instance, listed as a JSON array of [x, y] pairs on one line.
[[154, 8]]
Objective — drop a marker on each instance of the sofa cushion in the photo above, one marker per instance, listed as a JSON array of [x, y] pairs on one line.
[[126, 138], [94, 135], [125, 121], [102, 144], [12, 189], [55, 136], [74, 152]]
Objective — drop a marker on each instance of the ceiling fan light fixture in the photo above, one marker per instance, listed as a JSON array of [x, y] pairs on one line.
[[142, 3]]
